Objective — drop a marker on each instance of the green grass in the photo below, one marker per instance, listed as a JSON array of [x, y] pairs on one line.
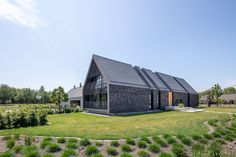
[[116, 127], [224, 108]]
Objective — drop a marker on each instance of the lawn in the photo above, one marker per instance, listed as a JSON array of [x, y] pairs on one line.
[[115, 127]]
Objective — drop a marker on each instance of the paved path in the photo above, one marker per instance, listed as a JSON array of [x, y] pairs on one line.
[[210, 128]]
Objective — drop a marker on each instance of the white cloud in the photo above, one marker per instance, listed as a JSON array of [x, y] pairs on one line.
[[21, 12]]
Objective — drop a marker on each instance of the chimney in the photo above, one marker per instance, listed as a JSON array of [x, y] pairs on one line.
[[74, 86]]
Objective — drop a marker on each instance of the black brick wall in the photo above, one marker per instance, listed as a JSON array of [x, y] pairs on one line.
[[194, 100], [164, 99], [180, 96]]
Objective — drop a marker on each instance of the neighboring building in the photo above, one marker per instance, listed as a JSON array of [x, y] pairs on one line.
[[229, 98], [204, 99], [112, 87], [75, 96]]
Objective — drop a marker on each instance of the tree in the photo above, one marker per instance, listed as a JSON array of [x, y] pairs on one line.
[[216, 92], [58, 95], [229, 90], [5, 93]]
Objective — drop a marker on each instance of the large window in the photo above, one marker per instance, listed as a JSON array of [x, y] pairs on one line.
[[95, 95]]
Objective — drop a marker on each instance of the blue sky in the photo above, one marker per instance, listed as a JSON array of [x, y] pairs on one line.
[[51, 43]]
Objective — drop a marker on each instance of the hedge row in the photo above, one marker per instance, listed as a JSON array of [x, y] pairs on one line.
[[23, 116]]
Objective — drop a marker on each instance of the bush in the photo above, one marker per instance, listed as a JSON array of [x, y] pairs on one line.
[[16, 136], [33, 121], [72, 140], [203, 141], [7, 154], [18, 148], [198, 150], [208, 136], [126, 155], [27, 140], [164, 154], [53, 147], [44, 144], [180, 136], [72, 145], [143, 153], [99, 144], [161, 142], [85, 142], [61, 140], [171, 140], [228, 138], [31, 151], [48, 155], [90, 150], [178, 150], [166, 136], [142, 144], [43, 118], [154, 148], [216, 134], [112, 151], [213, 122], [126, 148], [130, 141], [220, 141], [47, 139], [215, 149], [146, 139], [115, 143], [97, 155], [196, 137], [69, 153], [186, 141], [10, 143]]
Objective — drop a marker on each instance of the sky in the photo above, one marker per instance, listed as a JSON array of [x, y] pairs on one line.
[[51, 43]]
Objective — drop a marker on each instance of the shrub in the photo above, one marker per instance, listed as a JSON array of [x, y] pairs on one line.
[[178, 150], [72, 140], [198, 150], [97, 155], [213, 122], [61, 140], [186, 141], [16, 136], [171, 140], [90, 150], [228, 138], [27, 140], [161, 142], [126, 155], [164, 154], [53, 147], [196, 137], [85, 142], [48, 155], [143, 153], [18, 148], [112, 151], [44, 144], [216, 134], [7, 154], [180, 136], [72, 145], [10, 143], [115, 143], [220, 141], [43, 118], [99, 144], [126, 148], [130, 141], [2, 122], [166, 136], [215, 149], [154, 148], [33, 121], [69, 153], [203, 141], [208, 136], [146, 139], [31, 151], [47, 139], [142, 144]]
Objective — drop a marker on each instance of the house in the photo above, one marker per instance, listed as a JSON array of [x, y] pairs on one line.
[[204, 99], [229, 98], [112, 87], [75, 96]]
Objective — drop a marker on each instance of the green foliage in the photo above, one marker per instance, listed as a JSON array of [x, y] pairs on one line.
[[196, 137], [72, 145], [130, 141], [16, 136], [171, 140], [203, 141], [7, 154], [111, 151], [44, 144], [10, 143], [126, 148], [180, 136], [27, 140], [33, 121], [142, 144], [72, 140], [85, 142], [90, 150], [43, 118], [154, 148], [229, 90], [228, 138], [69, 153], [178, 150], [61, 140], [216, 134], [115, 143], [98, 144], [164, 154], [31, 151], [143, 153], [166, 136], [18, 148], [58, 95], [53, 147], [213, 122], [186, 141], [146, 139], [198, 150], [216, 92], [215, 149], [97, 155], [159, 141], [208, 136], [126, 155], [48, 155]]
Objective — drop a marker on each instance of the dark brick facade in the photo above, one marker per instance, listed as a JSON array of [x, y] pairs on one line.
[[163, 99], [128, 99], [180, 97], [193, 100]]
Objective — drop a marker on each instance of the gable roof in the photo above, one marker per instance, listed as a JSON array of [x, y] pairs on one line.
[[118, 73], [185, 85], [75, 92], [144, 77], [155, 79], [171, 83]]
